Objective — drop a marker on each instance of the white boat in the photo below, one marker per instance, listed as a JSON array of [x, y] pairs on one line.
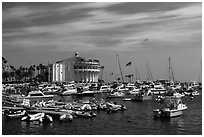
[[158, 89], [46, 119], [122, 89], [116, 94], [191, 92], [84, 91], [69, 90], [37, 94], [132, 89], [145, 95], [104, 89], [176, 94], [33, 117], [83, 114], [175, 107], [127, 99], [66, 117], [195, 93], [14, 114]]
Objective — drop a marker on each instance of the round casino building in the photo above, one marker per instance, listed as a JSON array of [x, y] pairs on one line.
[[76, 69]]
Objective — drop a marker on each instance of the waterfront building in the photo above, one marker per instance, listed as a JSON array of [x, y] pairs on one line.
[[76, 69]]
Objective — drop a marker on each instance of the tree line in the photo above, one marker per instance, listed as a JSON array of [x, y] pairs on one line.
[[33, 73]]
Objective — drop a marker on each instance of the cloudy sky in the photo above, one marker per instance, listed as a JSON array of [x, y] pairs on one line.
[[142, 33]]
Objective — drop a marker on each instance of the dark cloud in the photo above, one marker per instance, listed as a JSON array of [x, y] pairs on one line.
[[137, 7]]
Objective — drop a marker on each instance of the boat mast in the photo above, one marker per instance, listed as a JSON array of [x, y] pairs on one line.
[[120, 69], [138, 74], [137, 77], [170, 71], [149, 73]]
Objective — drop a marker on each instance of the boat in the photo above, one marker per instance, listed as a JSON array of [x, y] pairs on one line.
[[196, 93], [174, 108], [127, 99], [68, 90], [37, 95], [84, 91], [122, 88], [14, 114], [111, 107], [33, 117], [46, 119], [134, 91], [191, 92], [116, 94], [66, 117], [104, 89], [83, 114], [93, 114], [143, 95], [158, 89]]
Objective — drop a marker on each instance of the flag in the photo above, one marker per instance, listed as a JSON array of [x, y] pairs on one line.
[[128, 64], [146, 40]]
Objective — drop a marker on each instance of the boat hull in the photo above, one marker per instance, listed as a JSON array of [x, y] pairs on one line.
[[16, 115], [166, 113]]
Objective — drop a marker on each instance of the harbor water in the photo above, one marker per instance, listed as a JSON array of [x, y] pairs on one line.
[[136, 120]]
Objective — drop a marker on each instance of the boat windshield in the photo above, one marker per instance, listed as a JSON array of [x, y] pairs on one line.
[[172, 101]]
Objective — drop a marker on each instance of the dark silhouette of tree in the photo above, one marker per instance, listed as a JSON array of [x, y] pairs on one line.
[[5, 75], [38, 68]]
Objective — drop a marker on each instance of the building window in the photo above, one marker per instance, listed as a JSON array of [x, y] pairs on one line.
[[75, 67], [80, 67]]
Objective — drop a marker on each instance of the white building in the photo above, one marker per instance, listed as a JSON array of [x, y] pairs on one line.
[[76, 69]]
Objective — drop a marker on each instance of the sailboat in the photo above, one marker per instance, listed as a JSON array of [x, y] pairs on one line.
[[174, 106]]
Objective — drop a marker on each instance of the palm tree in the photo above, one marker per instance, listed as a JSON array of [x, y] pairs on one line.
[[5, 75], [30, 72], [38, 68]]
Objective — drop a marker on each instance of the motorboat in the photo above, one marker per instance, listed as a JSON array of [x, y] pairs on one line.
[[122, 88], [37, 94], [158, 89], [66, 117], [104, 89], [191, 92], [174, 108], [143, 95], [69, 90], [83, 114], [111, 107], [116, 94], [132, 89], [127, 99], [84, 91], [46, 119], [33, 117], [14, 114]]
